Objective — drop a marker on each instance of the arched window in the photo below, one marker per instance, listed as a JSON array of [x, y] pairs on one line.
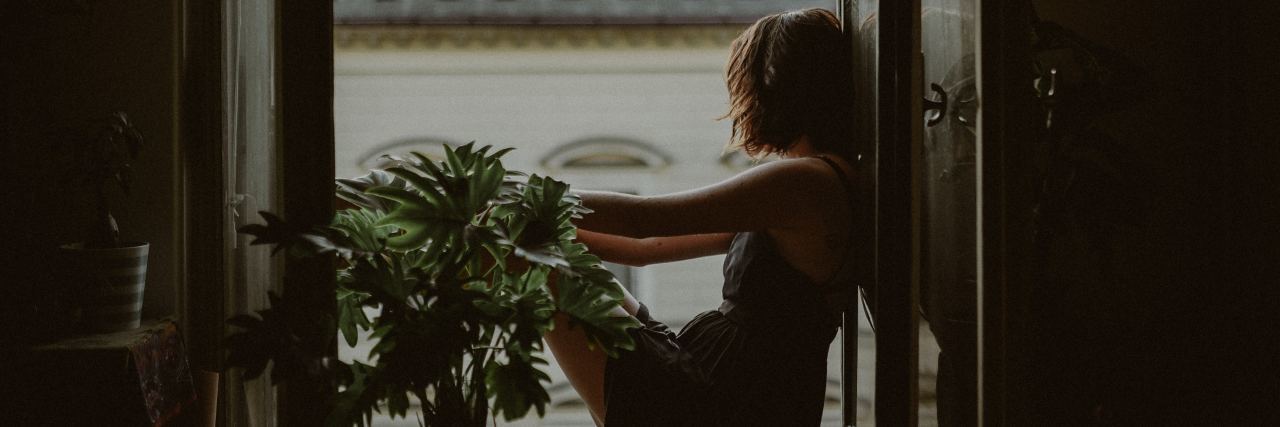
[[606, 153], [377, 158], [738, 161]]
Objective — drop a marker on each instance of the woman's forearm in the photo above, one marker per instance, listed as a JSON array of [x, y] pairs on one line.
[[770, 196], [639, 217], [615, 214], [653, 250]]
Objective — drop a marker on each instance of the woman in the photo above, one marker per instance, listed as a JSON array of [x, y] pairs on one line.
[[760, 359]]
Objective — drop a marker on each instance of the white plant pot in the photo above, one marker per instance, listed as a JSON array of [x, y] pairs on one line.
[[111, 284]]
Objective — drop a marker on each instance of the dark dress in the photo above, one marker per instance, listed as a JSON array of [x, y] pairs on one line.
[[760, 359]]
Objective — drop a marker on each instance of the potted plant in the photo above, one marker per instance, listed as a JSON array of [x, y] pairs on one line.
[[456, 257], [110, 273]]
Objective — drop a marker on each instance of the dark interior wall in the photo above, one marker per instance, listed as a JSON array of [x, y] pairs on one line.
[[1181, 335], [1244, 274], [65, 61]]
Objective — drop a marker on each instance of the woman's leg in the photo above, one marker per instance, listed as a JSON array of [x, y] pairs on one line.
[[584, 366]]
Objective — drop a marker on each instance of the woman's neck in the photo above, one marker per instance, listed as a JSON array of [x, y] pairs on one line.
[[802, 148]]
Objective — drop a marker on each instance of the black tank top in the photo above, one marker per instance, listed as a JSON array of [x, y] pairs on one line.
[[761, 288]]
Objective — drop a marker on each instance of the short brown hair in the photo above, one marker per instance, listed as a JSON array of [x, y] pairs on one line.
[[790, 75]]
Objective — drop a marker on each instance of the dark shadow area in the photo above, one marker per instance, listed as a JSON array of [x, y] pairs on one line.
[[1155, 278]]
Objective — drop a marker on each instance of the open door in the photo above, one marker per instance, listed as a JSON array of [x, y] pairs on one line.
[[948, 209], [918, 64], [887, 71]]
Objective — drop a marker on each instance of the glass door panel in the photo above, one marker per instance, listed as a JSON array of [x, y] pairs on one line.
[[948, 215]]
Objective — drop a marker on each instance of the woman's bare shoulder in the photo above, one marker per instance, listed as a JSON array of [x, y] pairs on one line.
[[797, 173]]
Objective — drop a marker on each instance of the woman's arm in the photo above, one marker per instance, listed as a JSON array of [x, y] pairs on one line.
[[781, 194], [653, 250]]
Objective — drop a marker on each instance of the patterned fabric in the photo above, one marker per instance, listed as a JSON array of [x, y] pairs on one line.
[[84, 369], [161, 363]]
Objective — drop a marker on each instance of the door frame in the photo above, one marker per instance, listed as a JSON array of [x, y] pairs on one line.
[[890, 161], [305, 76], [898, 166], [1006, 128]]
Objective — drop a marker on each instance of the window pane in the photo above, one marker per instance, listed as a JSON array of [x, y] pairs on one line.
[[948, 288], [540, 88]]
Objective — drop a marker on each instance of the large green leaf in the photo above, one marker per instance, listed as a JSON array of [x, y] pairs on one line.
[[286, 335], [297, 241], [353, 190], [517, 386], [590, 269], [387, 279], [590, 308], [420, 222], [351, 316], [428, 187], [359, 229], [355, 404], [412, 207]]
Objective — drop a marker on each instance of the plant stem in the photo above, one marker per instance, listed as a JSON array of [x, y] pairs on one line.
[[104, 232]]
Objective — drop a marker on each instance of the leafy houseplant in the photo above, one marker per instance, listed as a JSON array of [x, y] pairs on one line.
[[457, 255], [112, 273]]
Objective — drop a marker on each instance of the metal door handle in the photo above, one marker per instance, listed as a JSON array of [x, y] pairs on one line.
[[940, 105]]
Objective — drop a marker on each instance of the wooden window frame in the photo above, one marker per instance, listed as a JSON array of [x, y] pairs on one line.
[[305, 79], [304, 35]]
